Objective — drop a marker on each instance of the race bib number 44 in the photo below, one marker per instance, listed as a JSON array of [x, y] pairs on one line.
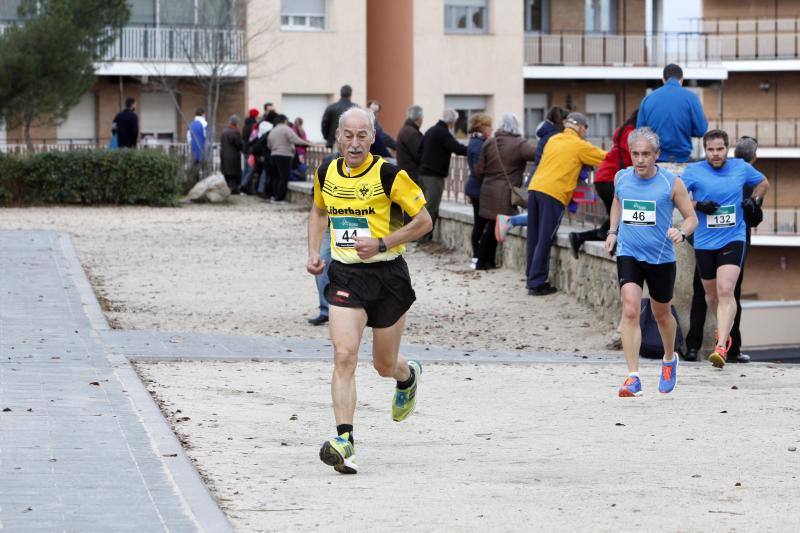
[[346, 229], [724, 217], [639, 212]]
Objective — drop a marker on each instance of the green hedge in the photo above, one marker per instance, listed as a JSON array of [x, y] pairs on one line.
[[91, 177]]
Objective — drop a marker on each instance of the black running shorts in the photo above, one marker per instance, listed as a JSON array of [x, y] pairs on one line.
[[382, 289], [660, 278], [709, 260]]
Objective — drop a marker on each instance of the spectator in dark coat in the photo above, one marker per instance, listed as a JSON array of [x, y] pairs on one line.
[[437, 145], [386, 139], [249, 123], [230, 154], [480, 129], [553, 123], [408, 141], [126, 125], [501, 164], [330, 119]]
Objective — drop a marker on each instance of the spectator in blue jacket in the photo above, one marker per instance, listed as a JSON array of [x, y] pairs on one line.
[[552, 124], [196, 138], [675, 114], [480, 129]]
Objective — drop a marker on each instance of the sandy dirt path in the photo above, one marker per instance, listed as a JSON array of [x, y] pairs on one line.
[[495, 448], [240, 268]]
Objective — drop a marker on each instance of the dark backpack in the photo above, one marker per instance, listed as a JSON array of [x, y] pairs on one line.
[[652, 347]]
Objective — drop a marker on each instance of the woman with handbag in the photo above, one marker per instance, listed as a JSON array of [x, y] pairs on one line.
[[480, 129], [500, 167]]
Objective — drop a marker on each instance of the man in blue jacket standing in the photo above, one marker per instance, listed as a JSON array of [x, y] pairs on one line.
[[676, 115], [196, 138]]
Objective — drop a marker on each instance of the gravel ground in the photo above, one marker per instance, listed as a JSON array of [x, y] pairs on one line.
[[240, 268], [495, 448]]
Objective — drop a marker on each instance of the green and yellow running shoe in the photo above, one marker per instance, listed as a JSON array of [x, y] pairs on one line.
[[405, 400], [340, 453]]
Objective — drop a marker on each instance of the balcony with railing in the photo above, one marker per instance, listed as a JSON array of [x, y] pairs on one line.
[[179, 44], [175, 44], [782, 133], [692, 49]]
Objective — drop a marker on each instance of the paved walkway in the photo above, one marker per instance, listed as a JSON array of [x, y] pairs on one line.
[[83, 447]]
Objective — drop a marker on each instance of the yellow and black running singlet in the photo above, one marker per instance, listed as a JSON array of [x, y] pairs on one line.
[[367, 201]]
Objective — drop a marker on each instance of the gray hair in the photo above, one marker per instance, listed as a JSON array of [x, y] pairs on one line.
[[366, 114], [234, 120], [746, 149], [449, 116], [509, 123], [414, 112], [645, 134]]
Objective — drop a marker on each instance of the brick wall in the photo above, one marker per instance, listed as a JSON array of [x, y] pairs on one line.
[[629, 93], [727, 9]]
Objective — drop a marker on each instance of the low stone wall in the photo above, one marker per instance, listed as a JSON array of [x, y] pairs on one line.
[[591, 279]]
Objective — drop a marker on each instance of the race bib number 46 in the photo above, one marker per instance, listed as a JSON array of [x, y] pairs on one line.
[[724, 217], [639, 212], [346, 229]]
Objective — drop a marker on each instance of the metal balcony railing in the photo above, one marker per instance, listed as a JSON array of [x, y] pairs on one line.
[[745, 25], [780, 221], [178, 44], [659, 49], [145, 43], [782, 133]]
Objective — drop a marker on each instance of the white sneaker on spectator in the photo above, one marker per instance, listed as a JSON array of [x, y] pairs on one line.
[[474, 263]]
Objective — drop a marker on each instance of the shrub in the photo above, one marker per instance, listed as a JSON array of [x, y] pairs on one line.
[[91, 177]]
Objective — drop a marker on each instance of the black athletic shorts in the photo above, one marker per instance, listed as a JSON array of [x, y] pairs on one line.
[[660, 278], [382, 289], [709, 260]]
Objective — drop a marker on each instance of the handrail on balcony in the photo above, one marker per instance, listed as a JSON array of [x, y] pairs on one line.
[[781, 133], [657, 49], [168, 43], [727, 25]]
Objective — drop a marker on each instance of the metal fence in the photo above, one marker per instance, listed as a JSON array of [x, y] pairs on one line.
[[181, 150], [780, 221]]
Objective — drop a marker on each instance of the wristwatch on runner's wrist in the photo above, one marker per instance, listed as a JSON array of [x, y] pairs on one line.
[[381, 246], [683, 236], [611, 232]]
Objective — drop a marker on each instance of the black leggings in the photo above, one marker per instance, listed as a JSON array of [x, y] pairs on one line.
[[478, 226], [605, 190]]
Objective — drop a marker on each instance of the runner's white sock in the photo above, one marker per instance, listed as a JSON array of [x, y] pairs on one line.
[[633, 374]]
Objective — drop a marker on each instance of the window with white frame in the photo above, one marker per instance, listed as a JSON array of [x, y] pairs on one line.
[[8, 9], [465, 106], [303, 15], [601, 115], [537, 16], [535, 111], [466, 16]]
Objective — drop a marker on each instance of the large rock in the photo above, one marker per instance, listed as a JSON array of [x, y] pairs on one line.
[[212, 189]]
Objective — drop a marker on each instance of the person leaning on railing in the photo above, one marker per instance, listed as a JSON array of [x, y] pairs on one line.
[[549, 193], [618, 158]]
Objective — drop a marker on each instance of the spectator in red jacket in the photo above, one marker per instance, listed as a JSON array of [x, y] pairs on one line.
[[618, 158]]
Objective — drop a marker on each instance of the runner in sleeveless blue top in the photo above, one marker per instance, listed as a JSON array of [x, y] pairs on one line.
[[643, 239], [719, 243]]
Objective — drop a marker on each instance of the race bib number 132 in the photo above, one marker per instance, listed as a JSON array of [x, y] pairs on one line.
[[346, 229], [639, 212], [724, 217]]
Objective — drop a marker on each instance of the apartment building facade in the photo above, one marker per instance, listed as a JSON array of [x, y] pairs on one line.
[[164, 42]]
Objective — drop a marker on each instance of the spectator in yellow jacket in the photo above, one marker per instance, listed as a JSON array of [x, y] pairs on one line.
[[549, 193]]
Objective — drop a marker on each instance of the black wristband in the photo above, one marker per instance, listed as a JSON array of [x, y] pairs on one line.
[[381, 246]]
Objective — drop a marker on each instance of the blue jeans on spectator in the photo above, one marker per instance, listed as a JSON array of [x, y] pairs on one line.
[[322, 279], [518, 220], [544, 217]]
